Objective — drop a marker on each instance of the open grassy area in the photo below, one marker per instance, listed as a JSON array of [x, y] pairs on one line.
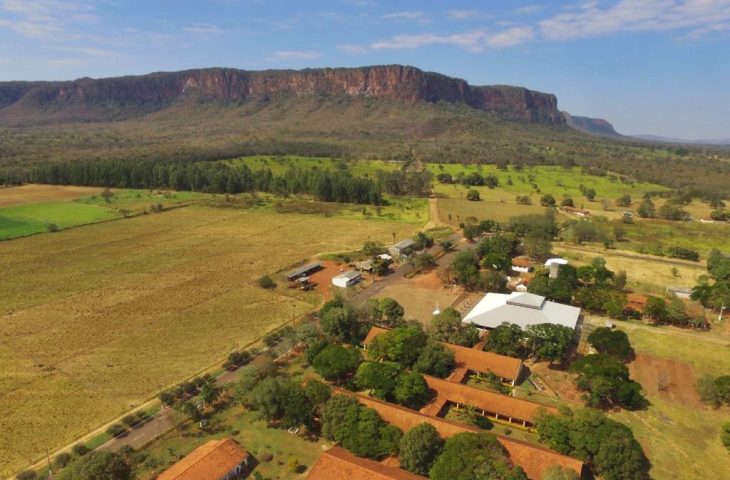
[[646, 273], [22, 220], [97, 319]]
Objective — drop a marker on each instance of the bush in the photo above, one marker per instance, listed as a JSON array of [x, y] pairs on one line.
[[80, 449], [272, 339], [472, 195], [168, 397], [684, 253], [266, 282], [130, 420], [62, 459], [116, 430], [725, 435], [27, 475]]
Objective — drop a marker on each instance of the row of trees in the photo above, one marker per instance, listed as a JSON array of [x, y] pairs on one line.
[[542, 342], [713, 290], [474, 179], [213, 177]]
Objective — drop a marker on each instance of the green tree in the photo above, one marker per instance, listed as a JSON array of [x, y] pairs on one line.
[[506, 339], [466, 268], [390, 310], [472, 195], [378, 377], [656, 308], [725, 435], [606, 381], [339, 322], [411, 390], [98, 465], [419, 448], [608, 446], [537, 245], [646, 208], [550, 342], [402, 345], [318, 394], [435, 360], [611, 342], [474, 456], [547, 200], [624, 200], [297, 408], [336, 361], [447, 327], [676, 310], [209, 393]]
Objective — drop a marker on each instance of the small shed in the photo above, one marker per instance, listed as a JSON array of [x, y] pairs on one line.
[[681, 292], [401, 248], [365, 266], [304, 270], [347, 279], [521, 265]]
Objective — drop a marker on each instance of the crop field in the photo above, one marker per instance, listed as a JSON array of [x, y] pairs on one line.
[[43, 193], [98, 319], [23, 220], [681, 441], [658, 235]]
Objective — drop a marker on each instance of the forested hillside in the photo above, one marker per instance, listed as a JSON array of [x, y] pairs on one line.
[[338, 124]]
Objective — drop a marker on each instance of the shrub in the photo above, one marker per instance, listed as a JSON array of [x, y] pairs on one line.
[[62, 459], [266, 282], [80, 449], [27, 475], [130, 420], [684, 253], [116, 430], [725, 435], [168, 397], [472, 195]]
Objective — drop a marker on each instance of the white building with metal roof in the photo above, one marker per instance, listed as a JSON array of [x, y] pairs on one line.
[[523, 309], [346, 279]]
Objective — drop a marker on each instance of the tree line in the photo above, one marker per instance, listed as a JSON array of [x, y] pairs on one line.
[[212, 177]]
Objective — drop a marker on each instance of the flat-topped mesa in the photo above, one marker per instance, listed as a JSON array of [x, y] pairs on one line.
[[155, 91]]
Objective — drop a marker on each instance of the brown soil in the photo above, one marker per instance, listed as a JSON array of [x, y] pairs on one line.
[[559, 382], [43, 193], [323, 278], [420, 295], [666, 378]]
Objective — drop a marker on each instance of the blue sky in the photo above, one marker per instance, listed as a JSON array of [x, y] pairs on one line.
[[648, 66]]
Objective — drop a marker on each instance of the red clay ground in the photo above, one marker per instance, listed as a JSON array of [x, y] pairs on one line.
[[323, 278], [666, 378]]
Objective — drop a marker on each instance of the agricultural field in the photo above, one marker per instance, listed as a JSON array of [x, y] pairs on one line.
[[23, 220], [680, 437], [97, 319], [43, 193]]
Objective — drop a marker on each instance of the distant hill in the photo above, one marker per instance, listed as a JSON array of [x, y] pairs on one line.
[[594, 126], [123, 98], [725, 142], [389, 112]]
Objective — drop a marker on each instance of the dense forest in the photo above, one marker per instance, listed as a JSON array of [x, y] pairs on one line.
[[213, 177]]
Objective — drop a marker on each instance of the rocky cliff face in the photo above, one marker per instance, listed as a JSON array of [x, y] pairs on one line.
[[123, 97], [595, 126]]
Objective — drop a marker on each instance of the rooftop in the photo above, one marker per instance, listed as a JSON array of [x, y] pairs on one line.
[[521, 262], [304, 269], [504, 405], [532, 458], [471, 358], [337, 463], [210, 461], [555, 261], [402, 245], [349, 275], [523, 309]]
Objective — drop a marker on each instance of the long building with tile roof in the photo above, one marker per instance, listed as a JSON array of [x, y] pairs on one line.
[[215, 460], [533, 459], [337, 464]]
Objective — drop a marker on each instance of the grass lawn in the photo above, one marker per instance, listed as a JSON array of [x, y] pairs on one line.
[[249, 431], [22, 220], [125, 308], [652, 236], [680, 442], [646, 273]]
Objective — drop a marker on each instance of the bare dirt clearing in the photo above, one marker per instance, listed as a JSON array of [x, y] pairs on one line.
[[420, 295], [33, 193], [666, 378]]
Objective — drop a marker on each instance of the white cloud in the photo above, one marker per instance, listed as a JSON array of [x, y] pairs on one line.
[[45, 19], [353, 49], [285, 55], [462, 14], [414, 16], [204, 29], [473, 41], [529, 9], [592, 19]]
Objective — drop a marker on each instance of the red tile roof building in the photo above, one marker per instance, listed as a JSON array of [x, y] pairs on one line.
[[215, 460], [338, 464]]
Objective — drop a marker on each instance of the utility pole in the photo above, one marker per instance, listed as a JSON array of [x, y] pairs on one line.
[[50, 470], [722, 309]]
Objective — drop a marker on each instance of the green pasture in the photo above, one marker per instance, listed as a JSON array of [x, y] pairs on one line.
[[22, 220]]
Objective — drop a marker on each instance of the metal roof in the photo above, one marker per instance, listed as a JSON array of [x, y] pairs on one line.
[[349, 275], [304, 269], [523, 309], [404, 244]]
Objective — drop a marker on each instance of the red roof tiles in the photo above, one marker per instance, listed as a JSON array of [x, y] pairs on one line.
[[210, 461]]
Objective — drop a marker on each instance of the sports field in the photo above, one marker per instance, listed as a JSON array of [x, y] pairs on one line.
[[97, 319]]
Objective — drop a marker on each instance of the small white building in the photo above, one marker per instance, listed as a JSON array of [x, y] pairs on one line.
[[521, 265], [347, 279]]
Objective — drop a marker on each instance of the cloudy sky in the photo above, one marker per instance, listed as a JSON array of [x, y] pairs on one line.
[[648, 66]]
